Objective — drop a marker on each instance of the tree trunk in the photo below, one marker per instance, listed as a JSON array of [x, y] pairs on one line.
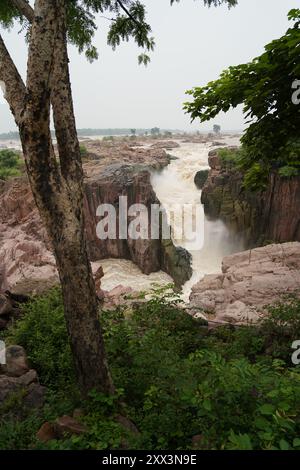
[[58, 187]]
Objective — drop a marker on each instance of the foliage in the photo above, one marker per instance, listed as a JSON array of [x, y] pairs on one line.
[[128, 21], [155, 131], [217, 128], [42, 332], [83, 151], [10, 164], [288, 171], [264, 87], [174, 378], [229, 157]]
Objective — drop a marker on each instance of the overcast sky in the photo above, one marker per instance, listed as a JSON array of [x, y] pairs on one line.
[[193, 45]]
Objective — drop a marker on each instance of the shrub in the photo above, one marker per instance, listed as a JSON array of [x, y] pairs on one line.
[[83, 151], [42, 332], [10, 164], [176, 379], [288, 171]]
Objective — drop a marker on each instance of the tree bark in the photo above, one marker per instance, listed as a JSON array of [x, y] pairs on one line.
[[58, 187]]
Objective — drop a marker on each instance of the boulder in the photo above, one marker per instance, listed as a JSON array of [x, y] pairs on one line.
[[16, 361], [46, 432], [64, 425], [68, 425], [200, 178], [165, 144], [35, 396], [249, 281], [26, 383], [5, 305]]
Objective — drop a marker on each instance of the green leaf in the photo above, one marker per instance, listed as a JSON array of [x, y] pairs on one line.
[[284, 445], [267, 409], [296, 442], [207, 405]]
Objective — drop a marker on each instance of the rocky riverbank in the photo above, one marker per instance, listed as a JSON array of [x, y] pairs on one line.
[[249, 281]]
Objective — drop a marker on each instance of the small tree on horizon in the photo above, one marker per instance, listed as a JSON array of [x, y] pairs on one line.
[[155, 131], [217, 129]]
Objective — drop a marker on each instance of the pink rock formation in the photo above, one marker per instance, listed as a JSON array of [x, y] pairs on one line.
[[249, 281], [26, 261]]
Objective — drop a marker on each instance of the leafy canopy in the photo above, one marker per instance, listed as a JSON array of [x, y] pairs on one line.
[[127, 17], [264, 86]]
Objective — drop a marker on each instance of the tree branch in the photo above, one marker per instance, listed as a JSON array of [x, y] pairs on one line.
[[15, 90], [24, 8], [127, 12], [63, 111]]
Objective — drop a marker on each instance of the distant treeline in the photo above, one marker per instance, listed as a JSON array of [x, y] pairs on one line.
[[92, 132], [125, 131], [10, 136]]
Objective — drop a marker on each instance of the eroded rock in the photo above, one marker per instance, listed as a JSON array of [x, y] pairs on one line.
[[249, 281], [259, 217], [26, 260], [16, 361]]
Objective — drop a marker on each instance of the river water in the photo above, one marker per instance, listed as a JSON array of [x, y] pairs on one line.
[[175, 185]]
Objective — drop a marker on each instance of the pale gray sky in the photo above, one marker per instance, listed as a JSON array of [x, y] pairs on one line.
[[193, 45]]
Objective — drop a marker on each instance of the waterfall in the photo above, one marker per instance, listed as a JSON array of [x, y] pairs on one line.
[[175, 185]]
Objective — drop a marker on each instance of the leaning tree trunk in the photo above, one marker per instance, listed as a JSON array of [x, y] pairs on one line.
[[58, 187]]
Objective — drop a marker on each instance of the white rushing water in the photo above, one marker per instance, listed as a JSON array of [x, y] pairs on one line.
[[175, 185], [126, 273]]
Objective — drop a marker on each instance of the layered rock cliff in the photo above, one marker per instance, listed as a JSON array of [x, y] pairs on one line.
[[150, 255], [261, 217], [25, 251]]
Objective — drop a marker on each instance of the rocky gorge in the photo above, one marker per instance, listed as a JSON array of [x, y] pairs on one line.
[[222, 283], [111, 170], [235, 292]]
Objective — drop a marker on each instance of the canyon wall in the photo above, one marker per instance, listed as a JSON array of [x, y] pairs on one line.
[[150, 255], [261, 217], [25, 251]]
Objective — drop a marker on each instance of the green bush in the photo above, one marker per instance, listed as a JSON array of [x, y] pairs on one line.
[[228, 156], [288, 171], [42, 332], [10, 164], [236, 387], [83, 151]]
